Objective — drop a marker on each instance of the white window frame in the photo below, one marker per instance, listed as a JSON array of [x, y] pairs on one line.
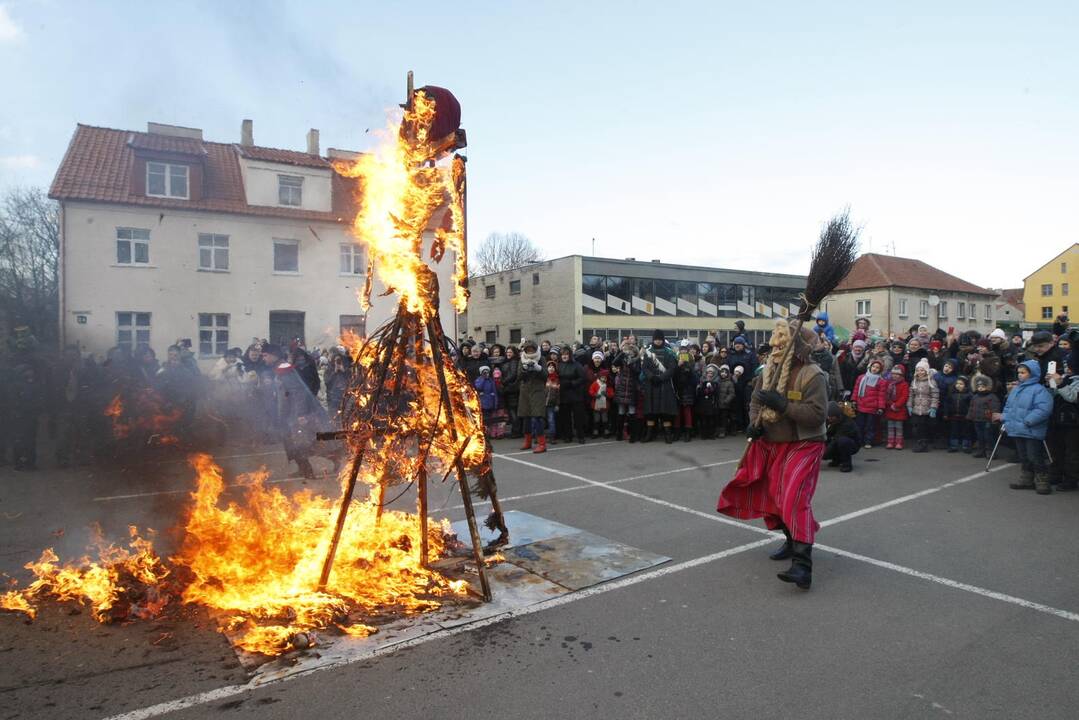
[[1049, 287], [1064, 289], [923, 309], [211, 323], [960, 310], [293, 184], [1047, 312], [989, 313], [942, 310], [133, 328], [902, 307], [285, 241], [354, 256], [167, 170], [133, 244], [863, 308], [214, 244]]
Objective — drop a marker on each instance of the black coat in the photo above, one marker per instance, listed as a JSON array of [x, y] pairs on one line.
[[657, 373], [572, 382]]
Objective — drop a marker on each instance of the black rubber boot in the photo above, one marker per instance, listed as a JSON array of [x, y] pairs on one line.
[[668, 434], [783, 552], [686, 432], [801, 569], [648, 434]]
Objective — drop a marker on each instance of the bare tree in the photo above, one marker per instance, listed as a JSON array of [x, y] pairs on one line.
[[504, 251], [29, 262]]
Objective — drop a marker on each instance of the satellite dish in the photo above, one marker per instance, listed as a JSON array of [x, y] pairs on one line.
[[934, 300]]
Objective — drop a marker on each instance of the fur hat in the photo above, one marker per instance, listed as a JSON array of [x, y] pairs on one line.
[[724, 370], [981, 380], [713, 367], [485, 369]]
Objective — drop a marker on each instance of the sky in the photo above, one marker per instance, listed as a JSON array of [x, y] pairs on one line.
[[709, 133]]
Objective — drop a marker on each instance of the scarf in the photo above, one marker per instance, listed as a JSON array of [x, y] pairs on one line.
[[870, 380]]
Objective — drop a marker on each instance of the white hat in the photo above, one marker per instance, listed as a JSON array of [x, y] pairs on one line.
[[684, 343], [998, 333], [923, 364], [484, 369], [597, 354]]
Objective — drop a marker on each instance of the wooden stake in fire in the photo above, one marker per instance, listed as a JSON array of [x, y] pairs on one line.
[[833, 257], [407, 400]]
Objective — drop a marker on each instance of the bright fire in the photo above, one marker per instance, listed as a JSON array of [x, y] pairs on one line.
[[257, 563]]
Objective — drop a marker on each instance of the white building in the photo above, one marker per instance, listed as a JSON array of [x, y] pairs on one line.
[[165, 236]]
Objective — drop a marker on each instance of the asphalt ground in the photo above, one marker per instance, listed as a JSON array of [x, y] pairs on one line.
[[937, 592]]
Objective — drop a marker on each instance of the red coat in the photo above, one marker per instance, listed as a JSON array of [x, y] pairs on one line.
[[896, 399], [874, 398], [593, 391]]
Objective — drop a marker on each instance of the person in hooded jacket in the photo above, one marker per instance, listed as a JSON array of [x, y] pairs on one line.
[[706, 405], [822, 355], [956, 409], [1026, 416], [824, 326], [658, 364], [741, 356], [628, 410], [945, 380], [895, 409], [923, 404], [848, 365]]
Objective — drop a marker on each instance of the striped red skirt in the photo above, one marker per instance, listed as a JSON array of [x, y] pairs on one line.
[[776, 481]]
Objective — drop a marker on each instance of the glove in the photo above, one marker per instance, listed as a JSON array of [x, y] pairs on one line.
[[754, 431], [932, 413], [772, 399]]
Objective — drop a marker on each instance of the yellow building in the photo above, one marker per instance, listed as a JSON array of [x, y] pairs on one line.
[[1047, 290]]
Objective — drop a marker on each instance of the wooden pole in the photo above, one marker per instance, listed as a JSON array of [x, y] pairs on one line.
[[434, 334]]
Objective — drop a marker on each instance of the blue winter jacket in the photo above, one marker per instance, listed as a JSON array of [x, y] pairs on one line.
[[829, 331], [488, 392], [1028, 407]]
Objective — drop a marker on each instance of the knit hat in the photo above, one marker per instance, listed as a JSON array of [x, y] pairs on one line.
[[834, 411], [1041, 336], [597, 355], [998, 333], [738, 369], [899, 370], [739, 340], [923, 364], [659, 335], [858, 344]]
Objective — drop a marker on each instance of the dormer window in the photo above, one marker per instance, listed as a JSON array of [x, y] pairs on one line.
[[290, 190], [167, 180]]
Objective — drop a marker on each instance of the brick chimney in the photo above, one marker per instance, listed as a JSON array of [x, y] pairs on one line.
[[247, 133], [312, 142]]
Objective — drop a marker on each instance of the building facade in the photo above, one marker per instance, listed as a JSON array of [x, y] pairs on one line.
[[895, 293], [167, 237], [576, 297], [1047, 291]]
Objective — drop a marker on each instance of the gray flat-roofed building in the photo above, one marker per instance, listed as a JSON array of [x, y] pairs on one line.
[[575, 297]]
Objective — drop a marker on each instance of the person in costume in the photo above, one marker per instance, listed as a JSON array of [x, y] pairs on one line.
[[778, 474], [658, 364]]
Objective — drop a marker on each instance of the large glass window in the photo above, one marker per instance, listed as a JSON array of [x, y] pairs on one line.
[[666, 297], [290, 190], [727, 300], [620, 294], [594, 294], [213, 334], [213, 252], [644, 297], [132, 329], [353, 259], [687, 298], [165, 180], [132, 246], [286, 256], [707, 299]]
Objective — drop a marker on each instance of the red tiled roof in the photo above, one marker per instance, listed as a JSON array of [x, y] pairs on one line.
[[288, 157], [166, 143], [876, 271], [1014, 297], [98, 163]]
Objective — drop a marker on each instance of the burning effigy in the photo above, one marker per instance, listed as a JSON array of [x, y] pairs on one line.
[[277, 569]]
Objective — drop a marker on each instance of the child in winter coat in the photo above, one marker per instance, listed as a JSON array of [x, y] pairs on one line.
[[685, 386], [601, 393], [870, 394], [923, 403], [1026, 421], [725, 401], [956, 410], [707, 402], [626, 369], [983, 406], [553, 390], [488, 392], [895, 410], [944, 379]]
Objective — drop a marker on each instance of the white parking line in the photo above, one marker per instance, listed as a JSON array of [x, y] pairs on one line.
[[235, 690]]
